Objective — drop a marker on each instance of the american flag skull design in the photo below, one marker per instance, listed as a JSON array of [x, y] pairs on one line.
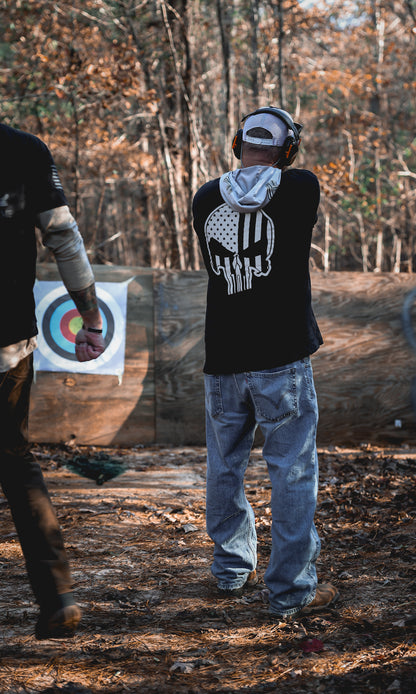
[[239, 246]]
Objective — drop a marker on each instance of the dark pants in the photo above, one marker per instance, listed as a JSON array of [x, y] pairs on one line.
[[23, 484]]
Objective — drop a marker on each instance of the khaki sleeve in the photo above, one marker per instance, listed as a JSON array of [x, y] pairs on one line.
[[61, 235]]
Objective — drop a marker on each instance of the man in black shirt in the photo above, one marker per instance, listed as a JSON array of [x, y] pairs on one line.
[[31, 195], [254, 225]]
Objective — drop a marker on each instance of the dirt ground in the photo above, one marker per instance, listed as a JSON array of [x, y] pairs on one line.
[[152, 621]]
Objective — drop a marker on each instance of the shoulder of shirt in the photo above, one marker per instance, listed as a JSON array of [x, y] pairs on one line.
[[300, 177], [16, 137], [207, 188], [203, 198]]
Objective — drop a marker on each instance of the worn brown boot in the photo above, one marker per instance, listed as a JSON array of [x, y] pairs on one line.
[[62, 624], [325, 596]]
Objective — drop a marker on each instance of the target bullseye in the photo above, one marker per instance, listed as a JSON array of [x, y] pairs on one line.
[[71, 323]]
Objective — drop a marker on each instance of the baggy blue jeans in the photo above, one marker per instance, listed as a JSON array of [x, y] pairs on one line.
[[282, 401]]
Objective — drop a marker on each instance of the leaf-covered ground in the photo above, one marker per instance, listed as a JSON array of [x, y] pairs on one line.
[[152, 620]]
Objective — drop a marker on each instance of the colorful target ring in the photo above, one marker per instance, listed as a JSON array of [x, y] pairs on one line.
[[71, 322], [61, 321]]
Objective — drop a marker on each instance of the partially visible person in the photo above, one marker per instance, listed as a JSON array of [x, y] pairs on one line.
[[31, 195], [254, 226]]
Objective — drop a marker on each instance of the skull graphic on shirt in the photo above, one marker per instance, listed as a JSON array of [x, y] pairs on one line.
[[239, 246]]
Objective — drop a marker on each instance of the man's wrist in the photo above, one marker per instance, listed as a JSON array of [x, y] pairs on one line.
[[89, 329]]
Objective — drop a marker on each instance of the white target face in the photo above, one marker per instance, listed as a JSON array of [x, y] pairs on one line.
[[59, 322]]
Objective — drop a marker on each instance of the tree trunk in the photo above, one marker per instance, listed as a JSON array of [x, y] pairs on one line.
[[223, 23], [280, 80], [254, 20]]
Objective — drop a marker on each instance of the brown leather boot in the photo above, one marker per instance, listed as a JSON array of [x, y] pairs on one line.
[[62, 624], [325, 596]]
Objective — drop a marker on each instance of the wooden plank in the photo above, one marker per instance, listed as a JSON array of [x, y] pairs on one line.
[[94, 409], [364, 370], [179, 356]]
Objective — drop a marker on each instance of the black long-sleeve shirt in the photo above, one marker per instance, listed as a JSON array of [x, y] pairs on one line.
[[259, 313]]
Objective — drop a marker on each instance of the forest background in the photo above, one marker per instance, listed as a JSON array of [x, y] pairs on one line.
[[139, 101]]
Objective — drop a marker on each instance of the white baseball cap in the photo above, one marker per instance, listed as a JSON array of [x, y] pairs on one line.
[[277, 128]]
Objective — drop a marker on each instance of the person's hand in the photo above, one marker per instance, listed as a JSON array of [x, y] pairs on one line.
[[88, 345]]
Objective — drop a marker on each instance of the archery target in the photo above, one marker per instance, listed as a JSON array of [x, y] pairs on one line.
[[59, 322]]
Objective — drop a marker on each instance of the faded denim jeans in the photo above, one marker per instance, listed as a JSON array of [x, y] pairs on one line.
[[282, 401]]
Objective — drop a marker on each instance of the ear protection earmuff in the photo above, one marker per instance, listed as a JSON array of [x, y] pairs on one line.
[[290, 147]]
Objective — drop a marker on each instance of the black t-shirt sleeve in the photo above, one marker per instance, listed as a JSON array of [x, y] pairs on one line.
[[207, 198], [44, 186], [299, 195]]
